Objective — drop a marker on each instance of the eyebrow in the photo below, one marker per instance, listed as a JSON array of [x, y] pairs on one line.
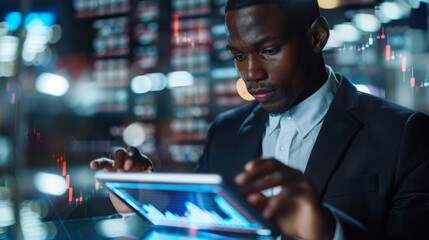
[[257, 43]]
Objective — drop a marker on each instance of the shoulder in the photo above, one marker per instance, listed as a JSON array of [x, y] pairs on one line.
[[231, 121], [370, 108], [237, 115]]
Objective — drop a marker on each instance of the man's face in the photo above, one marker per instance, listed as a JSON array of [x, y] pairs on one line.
[[269, 58]]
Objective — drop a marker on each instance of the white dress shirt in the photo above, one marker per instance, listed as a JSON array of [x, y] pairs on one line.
[[289, 137]]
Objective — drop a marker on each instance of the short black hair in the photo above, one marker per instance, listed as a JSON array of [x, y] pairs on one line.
[[303, 12]]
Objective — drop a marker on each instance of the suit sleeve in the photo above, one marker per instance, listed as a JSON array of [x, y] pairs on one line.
[[408, 209], [346, 227], [409, 213]]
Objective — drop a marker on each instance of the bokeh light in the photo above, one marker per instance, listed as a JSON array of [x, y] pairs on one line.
[[242, 90], [52, 84], [134, 134], [50, 183]]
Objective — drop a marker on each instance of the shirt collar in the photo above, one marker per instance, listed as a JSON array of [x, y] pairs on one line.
[[308, 113]]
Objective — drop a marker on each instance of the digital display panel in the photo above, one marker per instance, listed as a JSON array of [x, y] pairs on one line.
[[207, 207]]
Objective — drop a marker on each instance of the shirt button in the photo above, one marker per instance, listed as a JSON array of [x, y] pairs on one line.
[[282, 148], [288, 118]]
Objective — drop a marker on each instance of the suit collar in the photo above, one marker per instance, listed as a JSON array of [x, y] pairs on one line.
[[249, 137], [338, 129]]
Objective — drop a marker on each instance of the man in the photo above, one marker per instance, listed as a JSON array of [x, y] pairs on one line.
[[312, 154]]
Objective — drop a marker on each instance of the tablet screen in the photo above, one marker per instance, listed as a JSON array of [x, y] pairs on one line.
[[199, 206]]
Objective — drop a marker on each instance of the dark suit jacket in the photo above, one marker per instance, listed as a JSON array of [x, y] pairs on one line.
[[370, 161]]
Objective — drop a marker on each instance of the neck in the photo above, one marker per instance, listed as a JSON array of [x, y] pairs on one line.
[[318, 75]]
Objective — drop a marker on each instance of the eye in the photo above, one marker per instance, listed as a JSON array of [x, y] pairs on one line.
[[270, 51], [239, 56]]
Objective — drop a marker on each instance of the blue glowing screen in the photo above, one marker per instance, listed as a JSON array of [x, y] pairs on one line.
[[189, 206]]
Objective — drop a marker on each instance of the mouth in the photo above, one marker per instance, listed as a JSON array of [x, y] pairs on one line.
[[262, 95]]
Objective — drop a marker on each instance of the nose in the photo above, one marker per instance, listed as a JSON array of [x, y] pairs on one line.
[[253, 69]]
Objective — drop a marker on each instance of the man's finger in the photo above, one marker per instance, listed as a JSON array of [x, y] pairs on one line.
[[252, 170], [259, 168], [94, 165], [128, 164], [291, 179], [102, 163], [278, 204], [261, 174], [120, 156], [257, 200]]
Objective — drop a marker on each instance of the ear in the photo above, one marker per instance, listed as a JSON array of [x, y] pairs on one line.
[[318, 34]]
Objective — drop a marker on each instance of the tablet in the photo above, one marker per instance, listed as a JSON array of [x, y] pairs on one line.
[[192, 201]]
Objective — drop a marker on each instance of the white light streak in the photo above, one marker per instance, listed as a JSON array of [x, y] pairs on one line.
[[50, 183], [180, 79], [346, 32], [367, 22], [334, 40], [112, 228], [8, 48], [149, 82], [55, 33], [52, 84], [391, 10], [224, 73], [6, 148]]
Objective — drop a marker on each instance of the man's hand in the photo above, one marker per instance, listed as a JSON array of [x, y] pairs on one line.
[[296, 209], [130, 160]]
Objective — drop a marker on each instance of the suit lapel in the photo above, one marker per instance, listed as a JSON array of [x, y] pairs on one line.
[[337, 131], [249, 138]]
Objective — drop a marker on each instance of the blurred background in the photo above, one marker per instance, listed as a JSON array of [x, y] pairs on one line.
[[80, 78]]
